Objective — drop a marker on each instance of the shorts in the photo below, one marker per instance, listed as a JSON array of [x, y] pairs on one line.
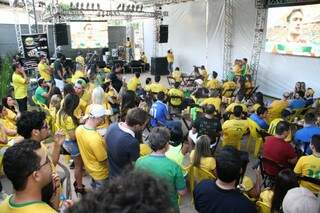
[[72, 148], [95, 184]]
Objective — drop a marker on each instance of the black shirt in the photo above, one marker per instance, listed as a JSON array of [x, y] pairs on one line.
[[209, 198], [122, 149], [207, 126]]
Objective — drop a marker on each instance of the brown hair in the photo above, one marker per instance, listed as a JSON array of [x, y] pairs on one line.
[[136, 116], [201, 150]]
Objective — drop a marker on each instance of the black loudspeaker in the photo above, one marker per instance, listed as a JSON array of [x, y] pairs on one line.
[[164, 31], [159, 66], [61, 34]]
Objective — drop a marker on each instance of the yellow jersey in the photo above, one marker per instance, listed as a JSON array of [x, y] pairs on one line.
[[156, 88], [66, 124], [87, 93], [134, 83], [144, 59], [177, 75], [232, 105], [8, 206], [170, 58], [233, 131], [207, 163], [81, 108], [19, 85], [177, 93], [227, 86], [145, 149], [93, 152], [237, 70], [309, 166], [266, 197], [43, 71], [215, 101], [11, 116], [213, 84], [8, 125], [147, 88], [275, 109]]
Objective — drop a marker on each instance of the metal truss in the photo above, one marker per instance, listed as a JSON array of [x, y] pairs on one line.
[[258, 38], [227, 37], [151, 3]]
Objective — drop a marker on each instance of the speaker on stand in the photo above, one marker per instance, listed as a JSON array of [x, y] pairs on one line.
[[164, 31], [61, 33]]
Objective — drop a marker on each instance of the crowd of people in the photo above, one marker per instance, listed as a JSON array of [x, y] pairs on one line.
[[143, 144]]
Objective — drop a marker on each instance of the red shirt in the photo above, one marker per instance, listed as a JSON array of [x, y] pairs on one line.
[[277, 150]]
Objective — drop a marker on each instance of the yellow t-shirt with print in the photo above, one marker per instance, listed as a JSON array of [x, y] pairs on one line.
[[215, 101], [233, 131], [232, 105], [207, 163], [177, 93], [8, 206], [134, 83], [170, 58], [19, 85], [309, 166], [93, 152], [43, 71], [66, 124], [147, 88], [156, 88], [213, 84], [145, 149], [176, 74], [229, 85]]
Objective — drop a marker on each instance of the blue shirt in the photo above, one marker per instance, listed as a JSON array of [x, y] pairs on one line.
[[297, 104], [159, 112], [304, 136], [123, 149], [260, 121]]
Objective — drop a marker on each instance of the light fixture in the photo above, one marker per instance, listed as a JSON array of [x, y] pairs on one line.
[[132, 7], [128, 7], [88, 6], [137, 7], [98, 6], [92, 6], [123, 7], [119, 6], [77, 5], [81, 5], [141, 8], [71, 5]]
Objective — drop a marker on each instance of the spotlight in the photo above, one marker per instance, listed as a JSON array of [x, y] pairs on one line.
[[141, 8], [81, 5], [119, 6], [71, 5], [88, 6], [128, 8], [123, 7], [98, 14], [137, 7], [102, 14], [98, 6], [132, 7], [77, 5], [92, 6]]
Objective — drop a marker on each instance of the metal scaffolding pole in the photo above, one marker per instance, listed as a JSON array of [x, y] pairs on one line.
[[227, 37], [258, 38]]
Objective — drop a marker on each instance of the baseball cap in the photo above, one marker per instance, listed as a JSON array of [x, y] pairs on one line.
[[97, 111], [300, 200], [199, 81]]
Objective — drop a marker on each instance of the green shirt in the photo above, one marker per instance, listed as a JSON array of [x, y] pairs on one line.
[[166, 169], [39, 95]]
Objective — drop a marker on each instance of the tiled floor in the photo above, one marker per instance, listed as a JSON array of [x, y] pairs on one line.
[[186, 202]]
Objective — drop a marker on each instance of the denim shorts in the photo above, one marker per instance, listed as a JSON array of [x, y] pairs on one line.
[[72, 148]]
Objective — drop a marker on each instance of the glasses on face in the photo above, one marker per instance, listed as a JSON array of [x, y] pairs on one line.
[[42, 165]]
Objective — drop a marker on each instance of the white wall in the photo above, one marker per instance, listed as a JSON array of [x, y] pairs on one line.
[[278, 73]]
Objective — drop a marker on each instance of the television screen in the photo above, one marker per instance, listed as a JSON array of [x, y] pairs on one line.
[[294, 30], [89, 35]]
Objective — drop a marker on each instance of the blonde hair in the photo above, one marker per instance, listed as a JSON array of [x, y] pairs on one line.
[[98, 96], [55, 102]]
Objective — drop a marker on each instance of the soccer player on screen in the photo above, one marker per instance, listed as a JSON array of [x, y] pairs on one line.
[[294, 24]]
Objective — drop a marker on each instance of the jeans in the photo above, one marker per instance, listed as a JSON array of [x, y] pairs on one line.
[[95, 184]]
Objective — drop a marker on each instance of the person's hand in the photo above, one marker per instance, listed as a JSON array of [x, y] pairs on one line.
[[59, 137], [55, 199]]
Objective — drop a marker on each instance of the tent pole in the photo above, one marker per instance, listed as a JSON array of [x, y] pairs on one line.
[[207, 28]]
